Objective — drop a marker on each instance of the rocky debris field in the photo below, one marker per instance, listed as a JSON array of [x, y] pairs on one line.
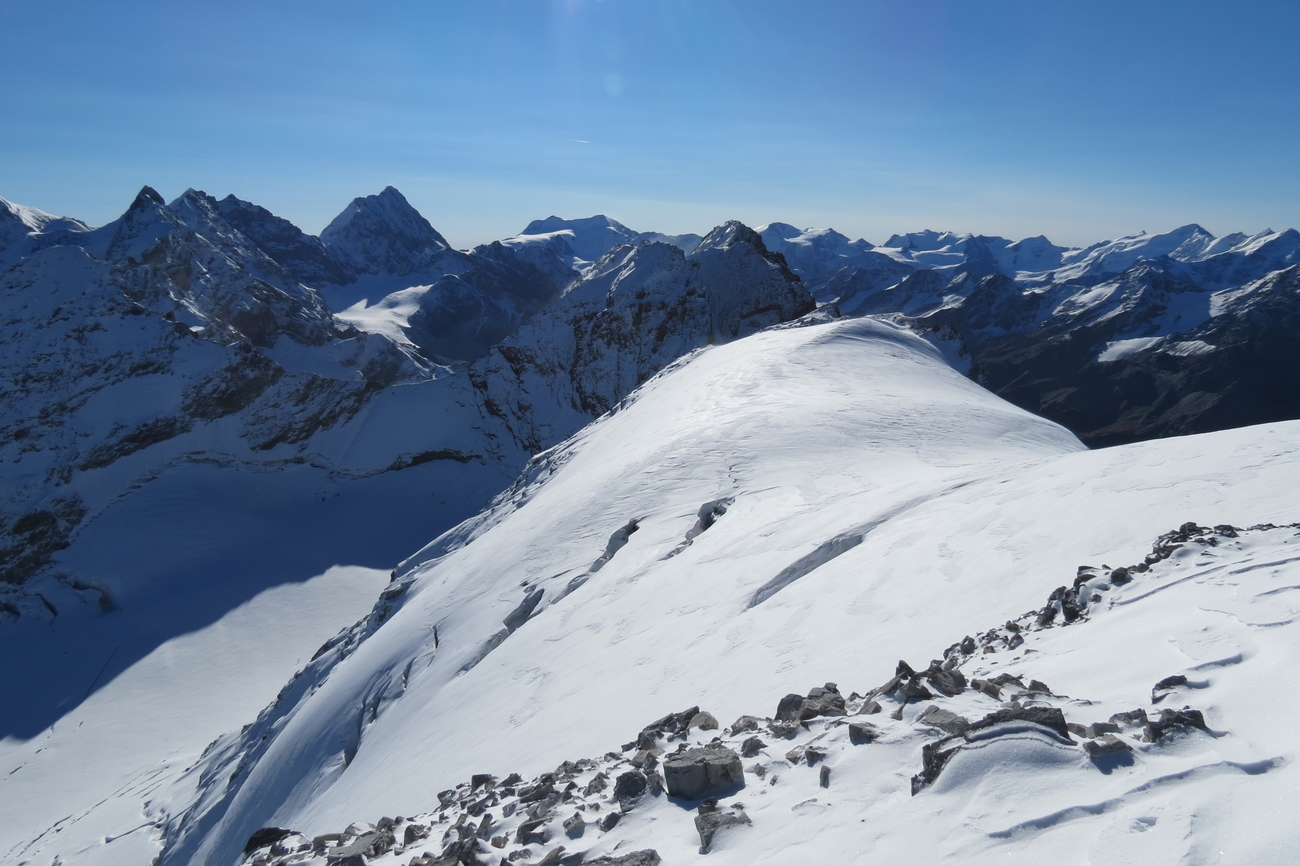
[[932, 729]]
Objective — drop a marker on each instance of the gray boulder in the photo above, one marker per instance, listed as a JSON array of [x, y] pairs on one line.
[[695, 772], [944, 720], [629, 788], [710, 821], [861, 732]]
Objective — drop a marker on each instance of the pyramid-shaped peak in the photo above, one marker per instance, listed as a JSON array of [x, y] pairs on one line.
[[383, 233], [730, 233], [146, 197]]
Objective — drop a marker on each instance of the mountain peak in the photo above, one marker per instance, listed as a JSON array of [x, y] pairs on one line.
[[144, 198], [383, 233]]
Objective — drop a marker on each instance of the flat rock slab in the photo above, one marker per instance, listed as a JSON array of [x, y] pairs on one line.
[[695, 772]]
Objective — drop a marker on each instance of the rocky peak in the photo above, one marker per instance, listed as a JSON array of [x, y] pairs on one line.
[[383, 234], [749, 287]]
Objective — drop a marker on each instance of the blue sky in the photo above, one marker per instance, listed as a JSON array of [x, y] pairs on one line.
[[1080, 120]]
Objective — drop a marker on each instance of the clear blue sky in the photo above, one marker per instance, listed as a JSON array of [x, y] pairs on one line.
[[1081, 120]]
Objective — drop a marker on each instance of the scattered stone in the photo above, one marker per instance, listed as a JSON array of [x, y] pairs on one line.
[[552, 857], [1161, 690], [934, 757], [1172, 719], [500, 841], [937, 717], [320, 843], [823, 701], [1106, 744], [915, 690], [1047, 717], [482, 780], [745, 724], [1130, 719], [1096, 729], [629, 788], [531, 831], [989, 688], [348, 860], [812, 755], [795, 755], [790, 708], [752, 747], [870, 708], [695, 772], [264, 837], [824, 777], [1035, 687], [783, 730], [608, 822], [709, 823], [703, 721], [648, 857], [861, 732], [645, 759], [598, 783]]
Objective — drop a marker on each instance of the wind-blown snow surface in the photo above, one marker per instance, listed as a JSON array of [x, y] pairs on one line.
[[874, 505]]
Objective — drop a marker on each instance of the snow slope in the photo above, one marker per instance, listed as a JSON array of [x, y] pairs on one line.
[[864, 503]]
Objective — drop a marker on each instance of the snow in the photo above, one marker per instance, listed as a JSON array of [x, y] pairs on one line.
[[1117, 350], [968, 513]]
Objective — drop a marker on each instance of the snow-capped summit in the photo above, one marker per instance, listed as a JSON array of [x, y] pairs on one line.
[[384, 234], [583, 241], [814, 254], [589, 238]]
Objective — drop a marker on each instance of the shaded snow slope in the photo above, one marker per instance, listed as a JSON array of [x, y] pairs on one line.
[[80, 785]]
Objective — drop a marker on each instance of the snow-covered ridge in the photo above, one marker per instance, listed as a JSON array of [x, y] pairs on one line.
[[499, 638]]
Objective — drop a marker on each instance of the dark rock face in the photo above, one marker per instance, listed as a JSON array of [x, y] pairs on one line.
[[695, 773], [634, 312]]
